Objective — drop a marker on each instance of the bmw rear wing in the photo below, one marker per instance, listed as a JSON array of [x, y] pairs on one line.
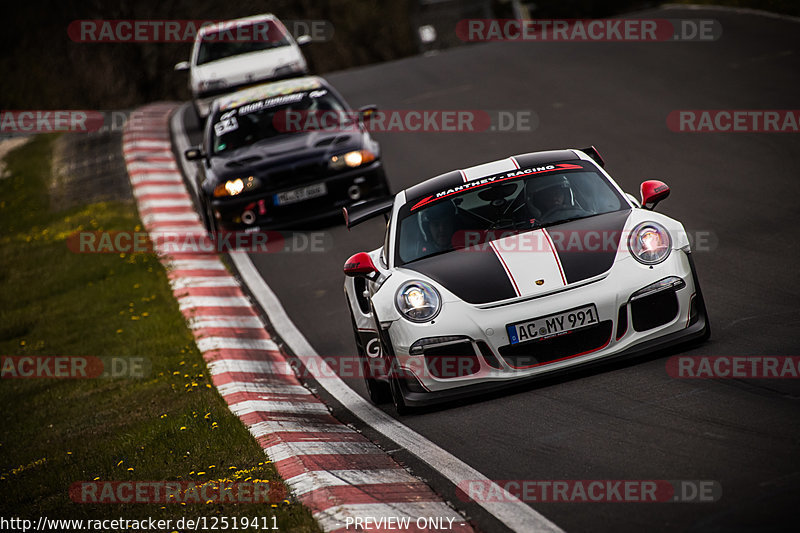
[[358, 213]]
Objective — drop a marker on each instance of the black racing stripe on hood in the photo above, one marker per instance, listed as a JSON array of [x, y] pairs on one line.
[[476, 275], [587, 247]]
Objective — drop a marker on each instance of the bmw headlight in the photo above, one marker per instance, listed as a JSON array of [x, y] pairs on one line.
[[234, 187], [650, 243], [418, 301], [352, 159]]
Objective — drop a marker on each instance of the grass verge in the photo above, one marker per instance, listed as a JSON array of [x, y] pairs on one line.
[[171, 425]]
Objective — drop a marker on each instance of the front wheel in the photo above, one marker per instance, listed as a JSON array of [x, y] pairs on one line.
[[377, 390], [397, 395]]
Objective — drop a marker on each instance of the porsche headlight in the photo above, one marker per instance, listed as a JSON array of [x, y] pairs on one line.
[[234, 187], [650, 243], [418, 301], [352, 159]]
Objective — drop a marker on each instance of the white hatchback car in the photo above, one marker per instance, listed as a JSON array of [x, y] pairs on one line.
[[233, 54]]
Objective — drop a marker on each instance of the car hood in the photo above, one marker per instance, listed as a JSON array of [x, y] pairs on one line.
[[246, 68], [531, 263], [278, 151]]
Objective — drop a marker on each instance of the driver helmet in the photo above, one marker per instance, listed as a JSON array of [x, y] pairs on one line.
[[543, 194], [443, 212]]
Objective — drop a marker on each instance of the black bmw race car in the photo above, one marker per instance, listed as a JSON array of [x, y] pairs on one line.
[[284, 154]]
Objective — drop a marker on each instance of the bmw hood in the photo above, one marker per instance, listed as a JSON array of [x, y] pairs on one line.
[[306, 146], [529, 263]]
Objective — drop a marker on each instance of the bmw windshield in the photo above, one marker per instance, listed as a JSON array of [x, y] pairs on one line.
[[272, 117], [489, 208]]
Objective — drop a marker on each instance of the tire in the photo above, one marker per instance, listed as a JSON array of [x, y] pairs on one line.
[[378, 391], [395, 387], [397, 396], [209, 221]]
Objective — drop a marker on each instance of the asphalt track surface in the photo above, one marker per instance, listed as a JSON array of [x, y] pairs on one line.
[[625, 420]]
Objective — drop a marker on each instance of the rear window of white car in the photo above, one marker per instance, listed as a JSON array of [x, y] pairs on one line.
[[241, 39]]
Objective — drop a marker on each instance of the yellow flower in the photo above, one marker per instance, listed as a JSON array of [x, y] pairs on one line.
[[164, 415], [119, 463], [130, 469], [119, 331], [183, 428]]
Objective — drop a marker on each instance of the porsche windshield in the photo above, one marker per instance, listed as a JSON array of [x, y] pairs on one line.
[[274, 116], [497, 206], [242, 39]]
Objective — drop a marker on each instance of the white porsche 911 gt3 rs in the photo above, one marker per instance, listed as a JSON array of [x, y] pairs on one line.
[[513, 269]]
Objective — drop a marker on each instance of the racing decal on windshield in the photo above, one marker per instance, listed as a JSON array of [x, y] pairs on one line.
[[225, 125], [266, 91], [497, 178], [271, 102]]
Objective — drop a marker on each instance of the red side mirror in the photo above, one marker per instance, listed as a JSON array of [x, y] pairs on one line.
[[359, 264], [653, 191]]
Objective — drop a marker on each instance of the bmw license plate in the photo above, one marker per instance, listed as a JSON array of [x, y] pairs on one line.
[[301, 194], [552, 325]]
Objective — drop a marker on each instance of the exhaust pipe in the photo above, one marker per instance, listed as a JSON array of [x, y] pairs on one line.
[[248, 217]]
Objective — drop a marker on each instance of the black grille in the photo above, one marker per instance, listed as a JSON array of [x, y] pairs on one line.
[[654, 310], [622, 321], [487, 354], [548, 350], [451, 360], [296, 173]]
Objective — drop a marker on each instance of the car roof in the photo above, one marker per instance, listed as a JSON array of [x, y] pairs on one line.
[[455, 178], [268, 90], [227, 24]]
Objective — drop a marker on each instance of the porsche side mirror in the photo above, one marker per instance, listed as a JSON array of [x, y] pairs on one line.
[[194, 154], [182, 66], [360, 264], [653, 191], [303, 40]]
